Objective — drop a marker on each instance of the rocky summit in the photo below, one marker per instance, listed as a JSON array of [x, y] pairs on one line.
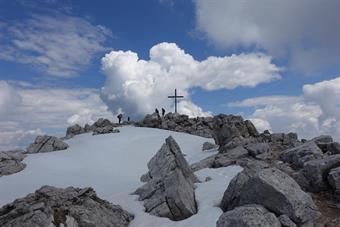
[[50, 206], [169, 191]]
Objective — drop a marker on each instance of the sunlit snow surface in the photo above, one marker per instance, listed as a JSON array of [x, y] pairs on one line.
[[112, 164]]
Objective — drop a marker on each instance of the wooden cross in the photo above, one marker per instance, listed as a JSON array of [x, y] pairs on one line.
[[175, 97]]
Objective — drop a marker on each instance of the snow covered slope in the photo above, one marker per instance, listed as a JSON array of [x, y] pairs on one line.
[[112, 164]]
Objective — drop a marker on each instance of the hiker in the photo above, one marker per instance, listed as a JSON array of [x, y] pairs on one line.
[[120, 116], [128, 119], [156, 111], [163, 112]]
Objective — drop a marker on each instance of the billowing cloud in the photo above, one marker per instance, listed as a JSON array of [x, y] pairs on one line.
[[32, 111], [58, 45], [315, 112], [139, 86], [306, 32]]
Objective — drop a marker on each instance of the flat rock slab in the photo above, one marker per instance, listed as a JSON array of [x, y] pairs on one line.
[[50, 206], [169, 191], [11, 162], [248, 216], [46, 143]]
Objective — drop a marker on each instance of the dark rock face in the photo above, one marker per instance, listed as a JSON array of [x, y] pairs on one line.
[[286, 222], [50, 206], [286, 197], [46, 144], [334, 179], [200, 126], [316, 171], [169, 191], [297, 156], [258, 150], [11, 162], [248, 216]]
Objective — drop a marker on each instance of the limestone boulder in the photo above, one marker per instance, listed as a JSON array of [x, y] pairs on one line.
[[248, 216], [301, 154], [316, 171], [274, 190], [50, 206], [74, 130], [105, 130], [11, 162], [169, 191], [46, 143]]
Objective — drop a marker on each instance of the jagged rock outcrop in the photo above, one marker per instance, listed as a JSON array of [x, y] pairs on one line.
[[101, 126], [316, 171], [74, 130], [208, 146], [46, 144], [200, 126], [228, 127], [169, 191], [253, 186], [50, 206], [11, 162], [105, 130], [327, 145], [305, 152], [248, 216]]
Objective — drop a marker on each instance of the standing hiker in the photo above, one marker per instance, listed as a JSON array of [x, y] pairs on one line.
[[163, 112], [120, 116], [156, 111]]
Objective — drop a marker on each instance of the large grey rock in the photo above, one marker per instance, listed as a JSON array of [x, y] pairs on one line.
[[11, 162], [102, 122], [274, 190], [334, 179], [258, 150], [46, 144], [316, 171], [248, 216], [50, 206], [297, 156], [169, 191]]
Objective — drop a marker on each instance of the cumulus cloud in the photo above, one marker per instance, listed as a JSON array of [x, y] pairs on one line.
[[59, 45], [305, 32], [139, 86], [32, 111], [313, 113]]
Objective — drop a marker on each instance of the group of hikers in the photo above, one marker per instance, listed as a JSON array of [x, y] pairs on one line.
[[120, 116]]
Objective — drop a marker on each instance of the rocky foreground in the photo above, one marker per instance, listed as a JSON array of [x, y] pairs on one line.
[[285, 181]]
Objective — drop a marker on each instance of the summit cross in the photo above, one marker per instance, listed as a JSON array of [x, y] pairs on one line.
[[175, 97]]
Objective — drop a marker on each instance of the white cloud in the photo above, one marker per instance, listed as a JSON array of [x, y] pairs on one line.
[[313, 113], [305, 31], [139, 86], [59, 45], [48, 110]]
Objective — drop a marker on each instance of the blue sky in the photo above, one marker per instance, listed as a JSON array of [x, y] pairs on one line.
[[52, 53]]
